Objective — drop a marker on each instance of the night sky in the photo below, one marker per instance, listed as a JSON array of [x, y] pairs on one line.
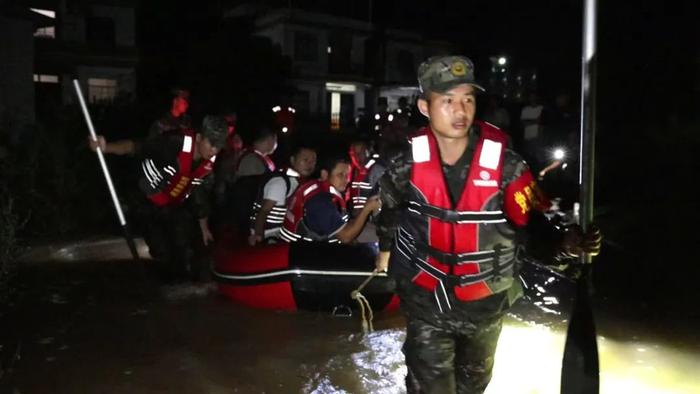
[[646, 50]]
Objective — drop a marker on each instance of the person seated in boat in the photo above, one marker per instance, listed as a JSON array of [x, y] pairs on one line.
[[255, 159], [270, 207], [316, 211], [365, 172], [242, 181]]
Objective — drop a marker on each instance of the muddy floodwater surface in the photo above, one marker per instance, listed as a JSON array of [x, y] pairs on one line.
[[87, 320]]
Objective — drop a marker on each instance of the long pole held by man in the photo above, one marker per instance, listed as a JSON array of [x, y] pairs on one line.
[[580, 368], [105, 171]]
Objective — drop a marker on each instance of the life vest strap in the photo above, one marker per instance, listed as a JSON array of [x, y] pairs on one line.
[[501, 259], [466, 258], [499, 267], [458, 217], [495, 273]]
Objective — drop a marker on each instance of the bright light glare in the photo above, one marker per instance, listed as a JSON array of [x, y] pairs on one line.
[[48, 13], [502, 60], [559, 154], [285, 129], [390, 117], [528, 360]]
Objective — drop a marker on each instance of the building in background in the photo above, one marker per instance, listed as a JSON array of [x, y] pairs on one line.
[[94, 41], [17, 99], [341, 66]]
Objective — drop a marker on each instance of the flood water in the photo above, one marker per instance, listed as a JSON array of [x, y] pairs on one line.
[[86, 319]]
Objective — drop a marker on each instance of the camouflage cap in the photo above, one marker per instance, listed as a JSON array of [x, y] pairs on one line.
[[441, 73], [215, 129]]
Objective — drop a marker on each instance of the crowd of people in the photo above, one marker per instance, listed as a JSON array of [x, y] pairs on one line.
[[188, 176], [450, 206]]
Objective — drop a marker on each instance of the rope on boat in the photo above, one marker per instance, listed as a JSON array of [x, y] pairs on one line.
[[365, 309]]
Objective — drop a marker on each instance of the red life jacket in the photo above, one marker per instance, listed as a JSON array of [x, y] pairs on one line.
[[293, 228], [462, 248], [358, 187], [185, 178]]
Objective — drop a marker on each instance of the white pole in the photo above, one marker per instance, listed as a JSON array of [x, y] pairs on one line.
[[100, 155], [580, 372], [588, 113]]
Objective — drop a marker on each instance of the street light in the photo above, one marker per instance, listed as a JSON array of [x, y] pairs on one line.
[[558, 154], [502, 61]]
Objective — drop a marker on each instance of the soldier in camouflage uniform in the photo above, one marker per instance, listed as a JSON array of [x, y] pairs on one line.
[[175, 180], [175, 120], [455, 205]]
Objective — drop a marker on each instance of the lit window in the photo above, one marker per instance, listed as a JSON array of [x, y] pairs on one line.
[[43, 78], [45, 32], [101, 89], [48, 31], [335, 111]]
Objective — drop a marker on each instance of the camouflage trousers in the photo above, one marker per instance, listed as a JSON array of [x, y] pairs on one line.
[[449, 356], [174, 242]]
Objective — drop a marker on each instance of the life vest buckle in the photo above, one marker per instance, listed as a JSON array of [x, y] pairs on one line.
[[342, 311], [498, 251], [451, 216]]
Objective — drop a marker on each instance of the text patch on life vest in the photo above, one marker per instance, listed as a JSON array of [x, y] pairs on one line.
[[485, 180], [420, 148], [490, 154], [187, 144], [180, 186], [521, 196]]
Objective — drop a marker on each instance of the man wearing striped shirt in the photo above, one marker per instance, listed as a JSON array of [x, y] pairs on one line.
[[271, 206]]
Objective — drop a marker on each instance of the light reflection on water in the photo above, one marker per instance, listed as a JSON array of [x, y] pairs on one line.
[[370, 364], [528, 361]]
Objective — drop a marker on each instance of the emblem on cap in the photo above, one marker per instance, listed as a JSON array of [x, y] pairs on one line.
[[458, 69]]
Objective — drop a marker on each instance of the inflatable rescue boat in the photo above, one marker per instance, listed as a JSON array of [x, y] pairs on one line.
[[303, 275]]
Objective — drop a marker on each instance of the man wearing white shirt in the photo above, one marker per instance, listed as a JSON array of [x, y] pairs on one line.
[[270, 207]]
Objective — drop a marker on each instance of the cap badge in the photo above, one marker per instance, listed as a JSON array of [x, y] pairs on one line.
[[458, 69]]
